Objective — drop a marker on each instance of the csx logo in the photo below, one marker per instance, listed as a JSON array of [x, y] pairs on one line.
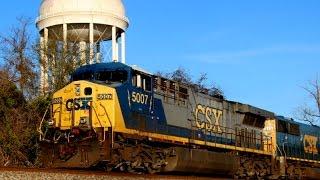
[[77, 104], [208, 118], [310, 144]]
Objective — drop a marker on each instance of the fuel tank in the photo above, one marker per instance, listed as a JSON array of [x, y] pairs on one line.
[[202, 162], [312, 173]]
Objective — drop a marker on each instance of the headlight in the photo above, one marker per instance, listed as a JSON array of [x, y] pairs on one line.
[[50, 122], [84, 120]]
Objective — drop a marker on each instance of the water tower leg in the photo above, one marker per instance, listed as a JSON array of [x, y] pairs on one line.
[[98, 55], [123, 47], [91, 39], [41, 86], [45, 60], [53, 72], [83, 48], [114, 44], [117, 50], [65, 39]]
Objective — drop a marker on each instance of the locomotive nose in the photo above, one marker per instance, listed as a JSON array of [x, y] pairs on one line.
[[82, 117], [72, 106], [83, 105]]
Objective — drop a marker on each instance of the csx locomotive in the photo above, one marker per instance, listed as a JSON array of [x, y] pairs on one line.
[[121, 117]]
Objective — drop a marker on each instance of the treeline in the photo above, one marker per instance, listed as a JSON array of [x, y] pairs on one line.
[[19, 118], [21, 107]]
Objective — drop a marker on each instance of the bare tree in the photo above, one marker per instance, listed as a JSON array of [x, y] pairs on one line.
[[20, 108], [181, 75], [310, 112], [16, 50], [202, 80], [62, 60], [216, 91]]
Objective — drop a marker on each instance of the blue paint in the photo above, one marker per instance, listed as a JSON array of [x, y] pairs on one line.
[[293, 145]]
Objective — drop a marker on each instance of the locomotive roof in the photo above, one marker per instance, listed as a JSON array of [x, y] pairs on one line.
[[246, 108], [135, 67], [110, 65], [102, 66], [291, 120], [312, 129]]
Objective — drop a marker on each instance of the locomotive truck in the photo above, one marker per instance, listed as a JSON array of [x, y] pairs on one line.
[[121, 117]]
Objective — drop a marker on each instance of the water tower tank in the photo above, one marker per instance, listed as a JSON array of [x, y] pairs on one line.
[[83, 24]]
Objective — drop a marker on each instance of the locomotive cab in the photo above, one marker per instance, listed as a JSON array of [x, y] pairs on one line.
[[89, 100]]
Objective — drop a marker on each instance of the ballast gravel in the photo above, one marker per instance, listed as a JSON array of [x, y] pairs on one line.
[[17, 175]]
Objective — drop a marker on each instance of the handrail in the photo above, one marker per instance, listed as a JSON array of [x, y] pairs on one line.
[[40, 126], [95, 112], [105, 110], [229, 136]]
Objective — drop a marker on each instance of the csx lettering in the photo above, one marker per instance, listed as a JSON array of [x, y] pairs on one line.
[[72, 104], [139, 98], [210, 118], [77, 104], [310, 144]]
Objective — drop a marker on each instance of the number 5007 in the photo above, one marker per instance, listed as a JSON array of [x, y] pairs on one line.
[[139, 98]]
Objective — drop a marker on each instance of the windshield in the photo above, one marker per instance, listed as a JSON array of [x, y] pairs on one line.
[[88, 75], [118, 76], [106, 76]]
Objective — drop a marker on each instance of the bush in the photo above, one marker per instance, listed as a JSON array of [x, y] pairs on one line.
[[19, 120]]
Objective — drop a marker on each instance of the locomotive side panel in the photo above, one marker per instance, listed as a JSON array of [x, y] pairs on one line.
[[176, 114], [206, 118]]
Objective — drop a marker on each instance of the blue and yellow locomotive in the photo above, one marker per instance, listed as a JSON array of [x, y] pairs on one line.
[[121, 117], [298, 145]]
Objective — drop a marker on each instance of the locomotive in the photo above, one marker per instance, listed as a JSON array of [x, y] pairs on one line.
[[121, 117]]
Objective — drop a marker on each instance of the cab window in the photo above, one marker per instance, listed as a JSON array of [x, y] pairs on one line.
[[289, 128], [141, 80], [109, 76], [86, 75], [282, 126], [294, 129]]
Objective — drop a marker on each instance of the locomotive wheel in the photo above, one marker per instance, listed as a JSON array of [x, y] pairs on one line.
[[294, 171], [251, 168], [137, 159]]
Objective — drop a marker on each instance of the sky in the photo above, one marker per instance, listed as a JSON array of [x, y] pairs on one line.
[[259, 52]]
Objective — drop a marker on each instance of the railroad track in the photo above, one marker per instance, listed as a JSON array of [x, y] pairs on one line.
[[41, 173]]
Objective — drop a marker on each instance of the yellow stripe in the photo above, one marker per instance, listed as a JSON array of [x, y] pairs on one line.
[[304, 160], [192, 141]]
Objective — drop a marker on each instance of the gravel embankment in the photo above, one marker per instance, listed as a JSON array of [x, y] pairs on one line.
[[17, 175]]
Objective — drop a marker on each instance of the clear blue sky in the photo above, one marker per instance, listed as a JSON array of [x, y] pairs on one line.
[[259, 52]]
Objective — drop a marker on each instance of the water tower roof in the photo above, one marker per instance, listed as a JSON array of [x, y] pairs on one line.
[[82, 11]]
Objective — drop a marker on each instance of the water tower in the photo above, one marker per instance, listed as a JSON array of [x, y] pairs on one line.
[[81, 25]]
